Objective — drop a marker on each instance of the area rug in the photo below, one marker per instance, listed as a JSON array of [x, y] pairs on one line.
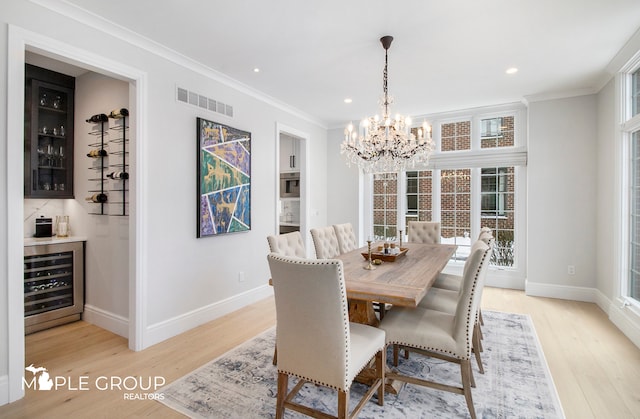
[[516, 383]]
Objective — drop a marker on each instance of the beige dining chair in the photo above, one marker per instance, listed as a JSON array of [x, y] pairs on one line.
[[325, 242], [445, 300], [316, 342], [441, 335], [426, 232], [452, 281], [288, 244], [346, 237]]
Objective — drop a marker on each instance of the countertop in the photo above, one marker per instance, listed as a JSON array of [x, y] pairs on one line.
[[290, 224], [35, 241]]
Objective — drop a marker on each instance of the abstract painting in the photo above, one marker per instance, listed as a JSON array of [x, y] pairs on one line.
[[224, 179]]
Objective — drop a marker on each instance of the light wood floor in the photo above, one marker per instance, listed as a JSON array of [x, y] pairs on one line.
[[596, 369]]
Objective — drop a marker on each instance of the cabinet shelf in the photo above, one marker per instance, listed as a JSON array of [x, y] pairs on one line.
[[43, 88], [52, 168], [61, 137], [51, 109]]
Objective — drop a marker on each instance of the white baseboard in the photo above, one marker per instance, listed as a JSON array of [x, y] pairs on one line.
[[564, 292], [106, 320], [627, 321], [4, 389], [166, 329]]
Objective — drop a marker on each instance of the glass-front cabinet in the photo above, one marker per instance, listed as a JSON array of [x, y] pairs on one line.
[[49, 101]]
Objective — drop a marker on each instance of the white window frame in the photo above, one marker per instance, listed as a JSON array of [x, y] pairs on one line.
[[475, 159], [628, 125]]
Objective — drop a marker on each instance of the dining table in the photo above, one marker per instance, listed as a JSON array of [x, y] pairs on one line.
[[404, 281]]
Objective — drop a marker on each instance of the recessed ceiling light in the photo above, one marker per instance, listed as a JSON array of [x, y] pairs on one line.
[[256, 70], [348, 100], [512, 70]]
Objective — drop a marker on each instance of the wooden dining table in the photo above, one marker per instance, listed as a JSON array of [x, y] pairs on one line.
[[403, 282]]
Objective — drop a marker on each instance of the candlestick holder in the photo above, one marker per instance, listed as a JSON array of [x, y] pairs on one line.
[[400, 234], [370, 266]]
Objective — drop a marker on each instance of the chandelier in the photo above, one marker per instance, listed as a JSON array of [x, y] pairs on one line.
[[388, 145]]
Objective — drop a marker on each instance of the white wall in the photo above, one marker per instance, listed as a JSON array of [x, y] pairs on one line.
[[343, 183], [608, 151], [107, 248], [187, 281], [562, 182]]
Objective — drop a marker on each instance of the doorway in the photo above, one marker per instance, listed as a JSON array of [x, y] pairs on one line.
[[20, 42], [292, 179]]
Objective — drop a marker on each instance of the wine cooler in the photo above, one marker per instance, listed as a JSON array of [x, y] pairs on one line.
[[53, 285]]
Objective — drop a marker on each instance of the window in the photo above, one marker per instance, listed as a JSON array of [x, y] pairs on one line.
[[494, 191], [473, 182], [456, 136], [455, 210], [635, 93], [498, 211], [419, 197], [385, 204], [634, 212], [630, 134], [497, 132]]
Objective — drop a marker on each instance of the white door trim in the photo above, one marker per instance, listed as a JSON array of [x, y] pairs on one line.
[[304, 178], [20, 40]]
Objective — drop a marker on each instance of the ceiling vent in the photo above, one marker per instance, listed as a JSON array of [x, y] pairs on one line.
[[195, 99]]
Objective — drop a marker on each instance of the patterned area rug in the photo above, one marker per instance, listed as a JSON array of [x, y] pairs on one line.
[[516, 383]]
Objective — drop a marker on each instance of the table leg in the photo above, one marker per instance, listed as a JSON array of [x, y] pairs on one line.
[[362, 312]]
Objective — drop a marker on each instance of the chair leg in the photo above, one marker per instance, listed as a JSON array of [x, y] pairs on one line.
[[283, 386], [477, 346], [465, 369], [381, 363], [343, 404], [275, 356], [480, 317], [395, 355]]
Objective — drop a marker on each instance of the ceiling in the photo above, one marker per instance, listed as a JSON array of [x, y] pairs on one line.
[[446, 55]]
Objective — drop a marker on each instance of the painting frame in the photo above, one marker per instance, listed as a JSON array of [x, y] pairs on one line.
[[223, 179]]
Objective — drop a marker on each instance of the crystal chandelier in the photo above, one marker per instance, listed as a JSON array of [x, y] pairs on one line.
[[388, 145]]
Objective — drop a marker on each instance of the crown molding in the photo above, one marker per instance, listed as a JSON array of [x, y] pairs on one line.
[[98, 22], [560, 95]]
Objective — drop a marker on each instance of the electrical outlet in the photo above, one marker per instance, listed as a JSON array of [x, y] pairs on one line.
[[241, 277], [571, 269]]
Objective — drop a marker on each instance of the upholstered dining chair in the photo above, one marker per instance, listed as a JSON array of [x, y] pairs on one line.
[[445, 300], [451, 281], [441, 335], [346, 237], [316, 342], [325, 242], [288, 244], [427, 232]]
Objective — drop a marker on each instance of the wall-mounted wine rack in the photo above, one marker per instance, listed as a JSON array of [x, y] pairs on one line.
[[111, 199]]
